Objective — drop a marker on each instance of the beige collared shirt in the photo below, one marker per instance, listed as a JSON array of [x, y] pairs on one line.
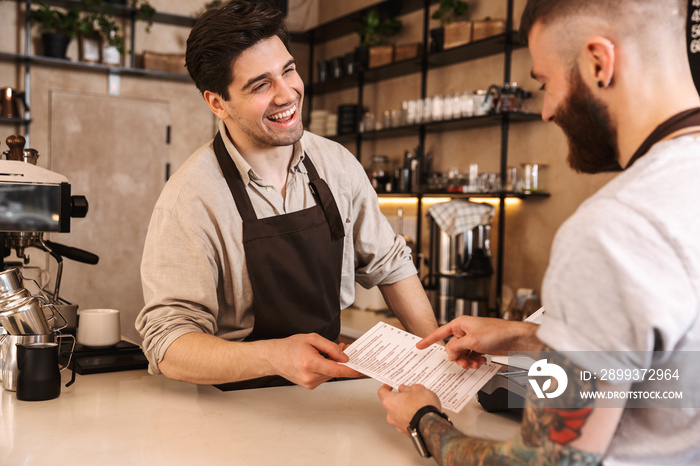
[[194, 271]]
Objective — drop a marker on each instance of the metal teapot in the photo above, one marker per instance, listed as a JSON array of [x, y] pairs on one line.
[[512, 98], [11, 102], [508, 98], [491, 100]]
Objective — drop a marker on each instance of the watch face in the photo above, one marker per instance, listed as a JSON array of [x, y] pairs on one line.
[[418, 443]]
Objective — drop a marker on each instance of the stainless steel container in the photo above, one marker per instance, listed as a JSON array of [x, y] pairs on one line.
[[24, 317], [3, 335], [8, 354], [460, 272], [10, 281], [11, 299]]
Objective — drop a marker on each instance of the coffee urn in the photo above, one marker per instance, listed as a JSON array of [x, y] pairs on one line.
[[461, 270]]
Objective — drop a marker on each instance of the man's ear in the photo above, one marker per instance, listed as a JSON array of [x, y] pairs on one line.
[[215, 102], [597, 61]]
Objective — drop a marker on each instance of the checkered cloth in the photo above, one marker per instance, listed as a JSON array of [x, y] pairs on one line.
[[460, 216]]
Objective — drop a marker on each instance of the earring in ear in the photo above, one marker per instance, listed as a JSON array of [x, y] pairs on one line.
[[600, 84]]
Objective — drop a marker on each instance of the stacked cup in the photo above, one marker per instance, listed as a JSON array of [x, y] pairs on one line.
[[25, 328]]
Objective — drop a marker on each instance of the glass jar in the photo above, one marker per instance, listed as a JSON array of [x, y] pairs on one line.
[[532, 177], [437, 110], [380, 173]]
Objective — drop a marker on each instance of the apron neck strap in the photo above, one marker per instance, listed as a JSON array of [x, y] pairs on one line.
[[310, 168], [319, 188], [677, 122], [234, 180], [325, 199]]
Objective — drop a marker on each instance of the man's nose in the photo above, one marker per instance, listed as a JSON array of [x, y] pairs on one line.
[[547, 110], [285, 92]]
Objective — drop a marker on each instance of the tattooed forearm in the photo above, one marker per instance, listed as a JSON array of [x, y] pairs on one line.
[[449, 446], [452, 448], [544, 439]]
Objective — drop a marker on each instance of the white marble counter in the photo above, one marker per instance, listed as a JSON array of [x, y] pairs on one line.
[[132, 418]]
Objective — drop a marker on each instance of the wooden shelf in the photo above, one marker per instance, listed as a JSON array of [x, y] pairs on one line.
[[481, 121], [493, 45], [13, 121], [372, 75], [124, 11], [348, 24], [495, 195], [488, 46], [93, 67], [457, 124], [12, 57]]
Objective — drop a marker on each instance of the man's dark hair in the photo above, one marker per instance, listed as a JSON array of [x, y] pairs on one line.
[[220, 36]]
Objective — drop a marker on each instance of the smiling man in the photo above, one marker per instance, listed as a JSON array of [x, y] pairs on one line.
[[257, 240]]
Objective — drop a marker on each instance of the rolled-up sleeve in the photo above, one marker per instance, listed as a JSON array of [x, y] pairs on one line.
[[381, 256], [178, 285]]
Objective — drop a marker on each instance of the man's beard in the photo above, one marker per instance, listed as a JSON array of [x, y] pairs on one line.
[[586, 123]]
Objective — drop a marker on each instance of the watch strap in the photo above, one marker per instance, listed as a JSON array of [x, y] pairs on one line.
[[413, 425]]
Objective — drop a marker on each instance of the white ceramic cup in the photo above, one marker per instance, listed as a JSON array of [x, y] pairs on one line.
[[98, 328]]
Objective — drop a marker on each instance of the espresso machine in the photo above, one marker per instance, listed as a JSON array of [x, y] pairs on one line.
[[460, 272], [35, 201]]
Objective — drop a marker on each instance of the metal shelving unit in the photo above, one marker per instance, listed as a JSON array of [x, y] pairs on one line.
[[421, 66]]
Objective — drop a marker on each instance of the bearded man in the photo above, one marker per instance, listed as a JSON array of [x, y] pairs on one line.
[[622, 289]]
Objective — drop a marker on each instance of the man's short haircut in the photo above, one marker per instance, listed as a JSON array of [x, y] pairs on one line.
[[220, 36], [547, 11], [626, 17]]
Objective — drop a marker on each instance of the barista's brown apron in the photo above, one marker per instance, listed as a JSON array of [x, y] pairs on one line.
[[677, 122], [294, 262]]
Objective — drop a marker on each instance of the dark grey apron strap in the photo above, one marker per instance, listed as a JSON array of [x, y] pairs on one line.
[[228, 168], [677, 122], [324, 196]]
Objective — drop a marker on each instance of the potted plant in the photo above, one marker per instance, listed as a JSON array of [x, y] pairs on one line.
[[57, 28], [144, 12], [455, 30], [89, 37], [113, 46], [488, 27], [375, 32], [101, 38]]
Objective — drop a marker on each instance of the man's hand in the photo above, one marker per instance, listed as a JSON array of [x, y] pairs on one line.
[[475, 336], [401, 406], [300, 359]]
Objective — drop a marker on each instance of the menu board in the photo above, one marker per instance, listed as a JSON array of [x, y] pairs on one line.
[[693, 39]]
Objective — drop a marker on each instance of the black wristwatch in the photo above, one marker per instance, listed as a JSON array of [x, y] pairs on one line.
[[415, 433]]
